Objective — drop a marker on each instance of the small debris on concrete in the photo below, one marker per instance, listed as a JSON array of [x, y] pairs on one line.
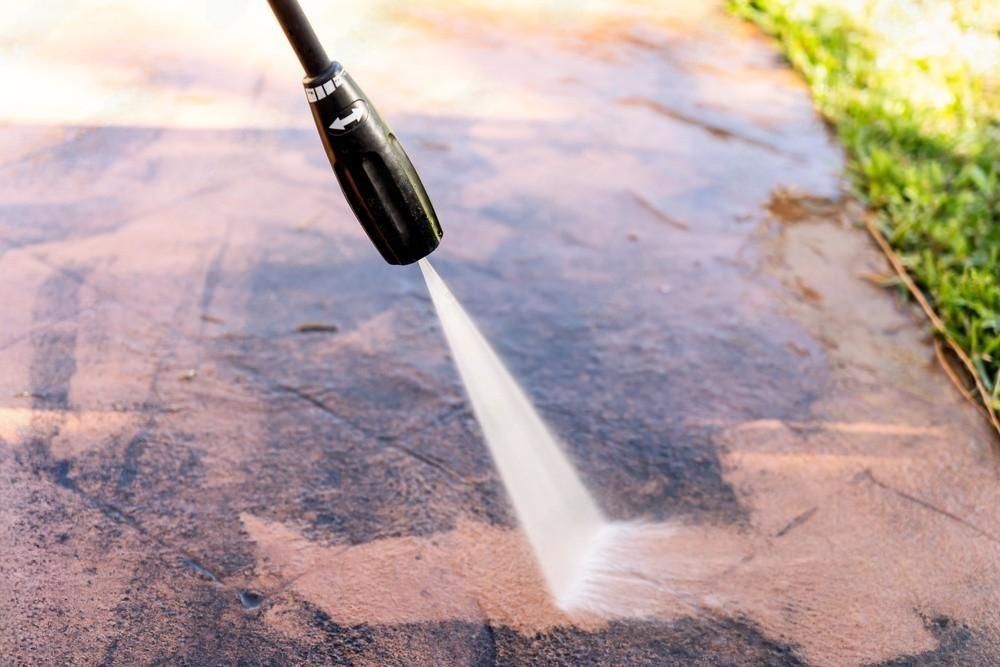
[[316, 327], [878, 279], [28, 394]]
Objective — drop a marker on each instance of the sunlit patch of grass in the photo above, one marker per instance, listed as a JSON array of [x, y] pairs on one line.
[[913, 90]]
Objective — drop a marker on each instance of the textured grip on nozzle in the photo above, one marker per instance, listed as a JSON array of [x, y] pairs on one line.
[[373, 170]]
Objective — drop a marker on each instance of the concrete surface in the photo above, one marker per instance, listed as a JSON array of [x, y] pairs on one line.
[[645, 217]]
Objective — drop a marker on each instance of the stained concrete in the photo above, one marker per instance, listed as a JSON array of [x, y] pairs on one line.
[[645, 217]]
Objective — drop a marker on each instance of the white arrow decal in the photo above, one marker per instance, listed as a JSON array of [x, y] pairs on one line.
[[339, 125]]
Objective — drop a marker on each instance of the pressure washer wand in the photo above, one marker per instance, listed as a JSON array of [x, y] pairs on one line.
[[373, 170]]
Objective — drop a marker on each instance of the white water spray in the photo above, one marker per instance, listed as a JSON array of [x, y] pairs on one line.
[[561, 520]]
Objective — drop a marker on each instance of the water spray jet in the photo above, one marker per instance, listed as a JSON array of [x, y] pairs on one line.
[[555, 510]]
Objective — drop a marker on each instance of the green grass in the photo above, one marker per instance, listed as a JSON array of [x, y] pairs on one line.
[[912, 89]]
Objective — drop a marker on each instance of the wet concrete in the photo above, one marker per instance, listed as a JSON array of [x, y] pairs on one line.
[[646, 219]]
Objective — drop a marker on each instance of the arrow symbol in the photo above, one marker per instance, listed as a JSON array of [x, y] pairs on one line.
[[341, 124]]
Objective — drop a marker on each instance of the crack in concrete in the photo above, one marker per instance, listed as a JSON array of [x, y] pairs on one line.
[[716, 131], [388, 440], [929, 506], [797, 521]]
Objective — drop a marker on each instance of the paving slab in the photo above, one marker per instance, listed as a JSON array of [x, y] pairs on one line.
[[646, 218]]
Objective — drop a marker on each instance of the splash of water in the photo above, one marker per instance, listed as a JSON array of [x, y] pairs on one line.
[[558, 515]]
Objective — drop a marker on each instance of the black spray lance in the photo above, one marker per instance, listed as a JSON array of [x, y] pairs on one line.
[[377, 177]]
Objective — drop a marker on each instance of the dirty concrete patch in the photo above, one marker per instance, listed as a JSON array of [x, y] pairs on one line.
[[715, 641], [957, 643], [681, 643]]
